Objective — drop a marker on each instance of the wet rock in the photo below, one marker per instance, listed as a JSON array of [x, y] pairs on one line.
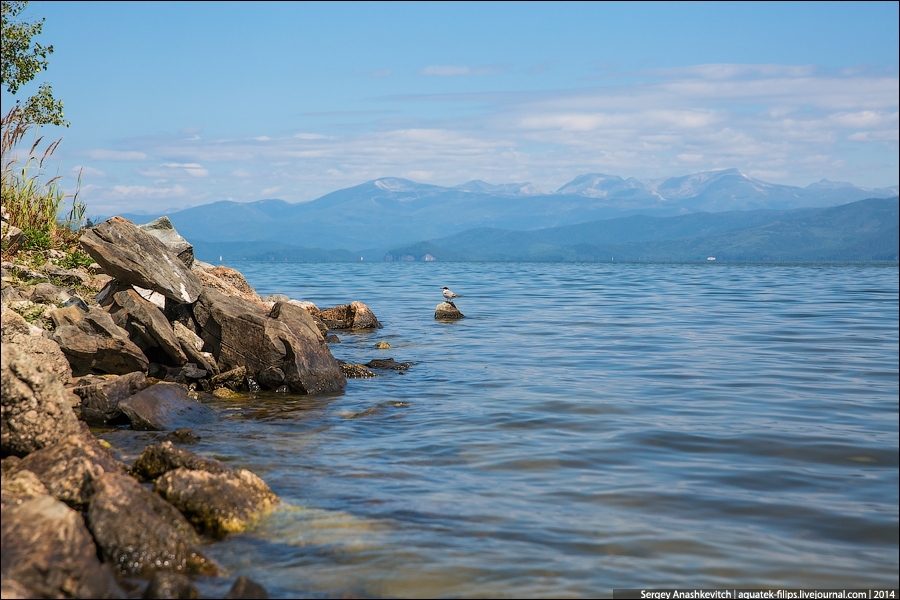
[[383, 346], [217, 503], [447, 311], [356, 371], [36, 407], [69, 468], [240, 334], [332, 339], [48, 551], [97, 345], [167, 584], [388, 363], [163, 230], [224, 392], [184, 435], [159, 459], [44, 351], [165, 407], [100, 399], [355, 315], [232, 379], [133, 256], [138, 532], [154, 321], [246, 589]]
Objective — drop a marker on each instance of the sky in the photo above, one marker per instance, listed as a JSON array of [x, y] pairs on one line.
[[175, 105]]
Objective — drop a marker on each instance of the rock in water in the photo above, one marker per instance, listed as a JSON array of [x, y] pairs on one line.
[[139, 532], [165, 407], [36, 408], [448, 311], [163, 230], [275, 352], [135, 257]]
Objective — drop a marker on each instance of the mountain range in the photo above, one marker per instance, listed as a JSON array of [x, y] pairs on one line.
[[391, 211]]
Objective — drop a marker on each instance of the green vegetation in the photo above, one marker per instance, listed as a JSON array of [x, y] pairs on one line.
[[32, 198]]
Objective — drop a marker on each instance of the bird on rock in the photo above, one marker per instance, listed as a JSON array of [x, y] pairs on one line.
[[448, 295]]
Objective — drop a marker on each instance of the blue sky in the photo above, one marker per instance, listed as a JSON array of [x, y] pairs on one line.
[[179, 104]]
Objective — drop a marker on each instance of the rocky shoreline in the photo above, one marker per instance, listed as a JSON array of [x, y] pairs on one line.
[[138, 339]]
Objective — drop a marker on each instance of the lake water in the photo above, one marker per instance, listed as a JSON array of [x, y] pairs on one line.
[[585, 427]]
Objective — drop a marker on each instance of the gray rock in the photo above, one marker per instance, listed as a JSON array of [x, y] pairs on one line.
[[62, 276], [241, 334], [16, 330], [447, 311], [96, 344], [48, 551], [11, 237], [138, 532], [246, 589], [217, 503], [100, 399], [154, 321], [69, 468], [163, 230], [133, 256], [165, 407], [297, 318], [36, 409], [167, 584], [388, 363], [47, 293]]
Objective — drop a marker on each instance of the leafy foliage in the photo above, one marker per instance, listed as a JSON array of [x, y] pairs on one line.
[[22, 60]]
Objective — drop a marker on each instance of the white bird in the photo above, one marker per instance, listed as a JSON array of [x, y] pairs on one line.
[[449, 295]]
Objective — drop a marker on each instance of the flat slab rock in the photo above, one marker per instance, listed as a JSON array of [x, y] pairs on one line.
[[165, 407], [388, 363], [133, 256]]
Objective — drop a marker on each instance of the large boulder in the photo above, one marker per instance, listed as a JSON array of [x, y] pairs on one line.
[[31, 340], [128, 305], [69, 468], [47, 550], [100, 398], [241, 334], [163, 230], [97, 345], [36, 409], [355, 315], [139, 532], [165, 407], [133, 256]]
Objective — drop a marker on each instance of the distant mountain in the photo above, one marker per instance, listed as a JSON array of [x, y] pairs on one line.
[[862, 230], [391, 211]]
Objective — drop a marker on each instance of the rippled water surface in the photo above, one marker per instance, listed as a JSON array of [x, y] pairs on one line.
[[585, 427]]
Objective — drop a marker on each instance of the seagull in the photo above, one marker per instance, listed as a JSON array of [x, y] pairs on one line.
[[449, 295]]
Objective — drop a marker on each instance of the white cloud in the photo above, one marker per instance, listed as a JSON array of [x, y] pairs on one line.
[[116, 155], [87, 172]]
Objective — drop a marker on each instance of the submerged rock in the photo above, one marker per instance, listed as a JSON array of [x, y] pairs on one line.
[[36, 407], [159, 459], [168, 584], [135, 257], [246, 589], [388, 363], [165, 407], [447, 311], [138, 532], [356, 371]]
